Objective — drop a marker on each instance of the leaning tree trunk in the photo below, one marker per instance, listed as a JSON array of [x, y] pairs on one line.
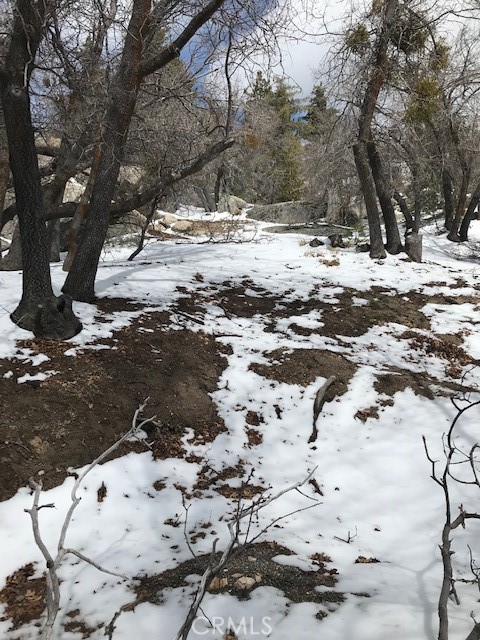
[[402, 203], [80, 281], [394, 243], [39, 310], [470, 214], [377, 250], [122, 97], [460, 208], [367, 111]]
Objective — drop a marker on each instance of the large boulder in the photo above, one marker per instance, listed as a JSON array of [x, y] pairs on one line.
[[294, 212], [167, 219], [232, 204]]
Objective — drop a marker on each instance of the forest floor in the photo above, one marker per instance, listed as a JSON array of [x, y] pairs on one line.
[[230, 343]]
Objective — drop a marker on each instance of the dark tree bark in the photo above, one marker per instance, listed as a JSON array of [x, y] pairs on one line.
[[14, 85], [470, 214], [448, 203], [394, 243], [375, 82], [80, 282], [460, 208], [377, 250], [402, 203]]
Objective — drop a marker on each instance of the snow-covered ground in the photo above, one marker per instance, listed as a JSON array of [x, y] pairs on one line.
[[374, 475]]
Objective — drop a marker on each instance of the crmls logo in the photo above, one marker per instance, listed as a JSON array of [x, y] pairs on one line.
[[248, 627]]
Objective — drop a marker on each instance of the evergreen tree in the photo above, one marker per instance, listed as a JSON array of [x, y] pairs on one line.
[[272, 149]]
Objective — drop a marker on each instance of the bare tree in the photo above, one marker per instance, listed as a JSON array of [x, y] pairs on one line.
[[456, 459]]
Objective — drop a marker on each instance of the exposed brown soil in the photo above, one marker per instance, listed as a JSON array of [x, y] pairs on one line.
[[256, 562], [23, 596], [70, 418], [303, 366]]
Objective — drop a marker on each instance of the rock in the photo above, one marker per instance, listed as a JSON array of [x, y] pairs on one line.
[[183, 226], [413, 246], [316, 243], [132, 175], [235, 576], [218, 583], [165, 218], [362, 248], [336, 240], [258, 577], [232, 204], [7, 231], [294, 212], [131, 222], [245, 583], [73, 191]]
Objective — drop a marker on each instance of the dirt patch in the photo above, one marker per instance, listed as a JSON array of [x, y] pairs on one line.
[[23, 597], [71, 417], [345, 319], [258, 563], [303, 366], [456, 357], [420, 382]]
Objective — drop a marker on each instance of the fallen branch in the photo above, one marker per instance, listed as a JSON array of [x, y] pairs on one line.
[[318, 405]]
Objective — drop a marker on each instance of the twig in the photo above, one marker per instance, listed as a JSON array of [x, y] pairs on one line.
[[234, 547], [53, 582]]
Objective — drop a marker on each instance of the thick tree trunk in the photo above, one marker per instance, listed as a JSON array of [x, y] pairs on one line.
[[28, 193], [37, 286], [81, 211], [448, 203], [394, 243], [377, 250]]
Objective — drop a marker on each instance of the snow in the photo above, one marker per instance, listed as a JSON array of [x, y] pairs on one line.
[[378, 501]]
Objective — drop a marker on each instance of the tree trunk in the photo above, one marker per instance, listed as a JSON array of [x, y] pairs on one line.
[[460, 208], [81, 211], [394, 243], [470, 214], [402, 203], [14, 79], [13, 259], [448, 204], [122, 97], [53, 240], [367, 111], [80, 282], [377, 250]]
